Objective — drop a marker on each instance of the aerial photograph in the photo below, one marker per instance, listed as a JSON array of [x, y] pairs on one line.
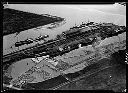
[[64, 47]]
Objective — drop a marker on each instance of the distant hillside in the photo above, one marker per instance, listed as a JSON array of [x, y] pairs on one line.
[[73, 14]]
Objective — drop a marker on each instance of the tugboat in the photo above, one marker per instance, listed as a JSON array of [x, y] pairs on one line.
[[75, 56]]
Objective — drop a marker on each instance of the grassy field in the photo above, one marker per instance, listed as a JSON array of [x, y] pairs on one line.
[[112, 78]]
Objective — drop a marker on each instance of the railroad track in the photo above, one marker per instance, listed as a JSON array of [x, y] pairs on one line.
[[22, 54], [11, 87], [94, 68], [82, 76]]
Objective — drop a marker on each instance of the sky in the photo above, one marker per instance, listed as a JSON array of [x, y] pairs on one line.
[[110, 8]]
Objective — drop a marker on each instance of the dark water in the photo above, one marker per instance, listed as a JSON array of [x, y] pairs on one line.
[[72, 13], [73, 16]]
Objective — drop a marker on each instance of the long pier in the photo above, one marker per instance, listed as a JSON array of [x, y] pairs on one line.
[[45, 47]]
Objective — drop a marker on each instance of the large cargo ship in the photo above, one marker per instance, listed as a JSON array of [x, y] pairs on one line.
[[70, 52]]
